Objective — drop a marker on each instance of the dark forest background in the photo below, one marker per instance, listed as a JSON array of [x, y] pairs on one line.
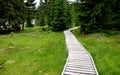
[[91, 15]]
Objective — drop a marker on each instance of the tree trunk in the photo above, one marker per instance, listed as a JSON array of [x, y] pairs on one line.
[[23, 26]]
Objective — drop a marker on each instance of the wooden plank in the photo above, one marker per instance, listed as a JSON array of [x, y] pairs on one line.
[[80, 67], [80, 72], [79, 63], [77, 60], [74, 73]]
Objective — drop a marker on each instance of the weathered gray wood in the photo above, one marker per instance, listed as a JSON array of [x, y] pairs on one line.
[[80, 71], [72, 73], [79, 61]]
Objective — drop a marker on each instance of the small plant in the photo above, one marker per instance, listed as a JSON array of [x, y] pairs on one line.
[[45, 28], [2, 61], [12, 33]]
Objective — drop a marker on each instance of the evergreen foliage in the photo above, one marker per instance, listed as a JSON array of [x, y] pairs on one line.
[[14, 14], [30, 8], [54, 13], [58, 19], [11, 15], [42, 13], [97, 16], [91, 15]]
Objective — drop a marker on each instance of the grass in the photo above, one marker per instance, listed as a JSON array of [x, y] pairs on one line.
[[32, 52], [105, 50]]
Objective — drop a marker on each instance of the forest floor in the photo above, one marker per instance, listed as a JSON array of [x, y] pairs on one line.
[[105, 50], [32, 52]]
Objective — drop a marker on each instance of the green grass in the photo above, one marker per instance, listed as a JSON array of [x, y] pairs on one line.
[[105, 50], [32, 52]]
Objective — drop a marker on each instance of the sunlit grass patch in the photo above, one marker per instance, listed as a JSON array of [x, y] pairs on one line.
[[32, 53], [105, 49]]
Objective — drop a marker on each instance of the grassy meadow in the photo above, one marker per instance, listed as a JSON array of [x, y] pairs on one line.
[[105, 49], [32, 52]]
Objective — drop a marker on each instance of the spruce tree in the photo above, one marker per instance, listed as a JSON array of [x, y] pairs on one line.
[[41, 13], [30, 9], [99, 15], [11, 14], [115, 13], [58, 15]]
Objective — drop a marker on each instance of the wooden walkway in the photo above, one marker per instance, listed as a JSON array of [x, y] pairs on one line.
[[79, 61]]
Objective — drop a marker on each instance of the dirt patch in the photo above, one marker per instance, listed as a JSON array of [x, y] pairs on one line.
[[99, 37], [1, 67], [10, 48], [117, 42]]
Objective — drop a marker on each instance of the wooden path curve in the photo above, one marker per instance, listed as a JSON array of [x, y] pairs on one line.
[[79, 60]]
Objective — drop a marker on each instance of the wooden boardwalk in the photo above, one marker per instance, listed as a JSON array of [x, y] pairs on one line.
[[79, 61]]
